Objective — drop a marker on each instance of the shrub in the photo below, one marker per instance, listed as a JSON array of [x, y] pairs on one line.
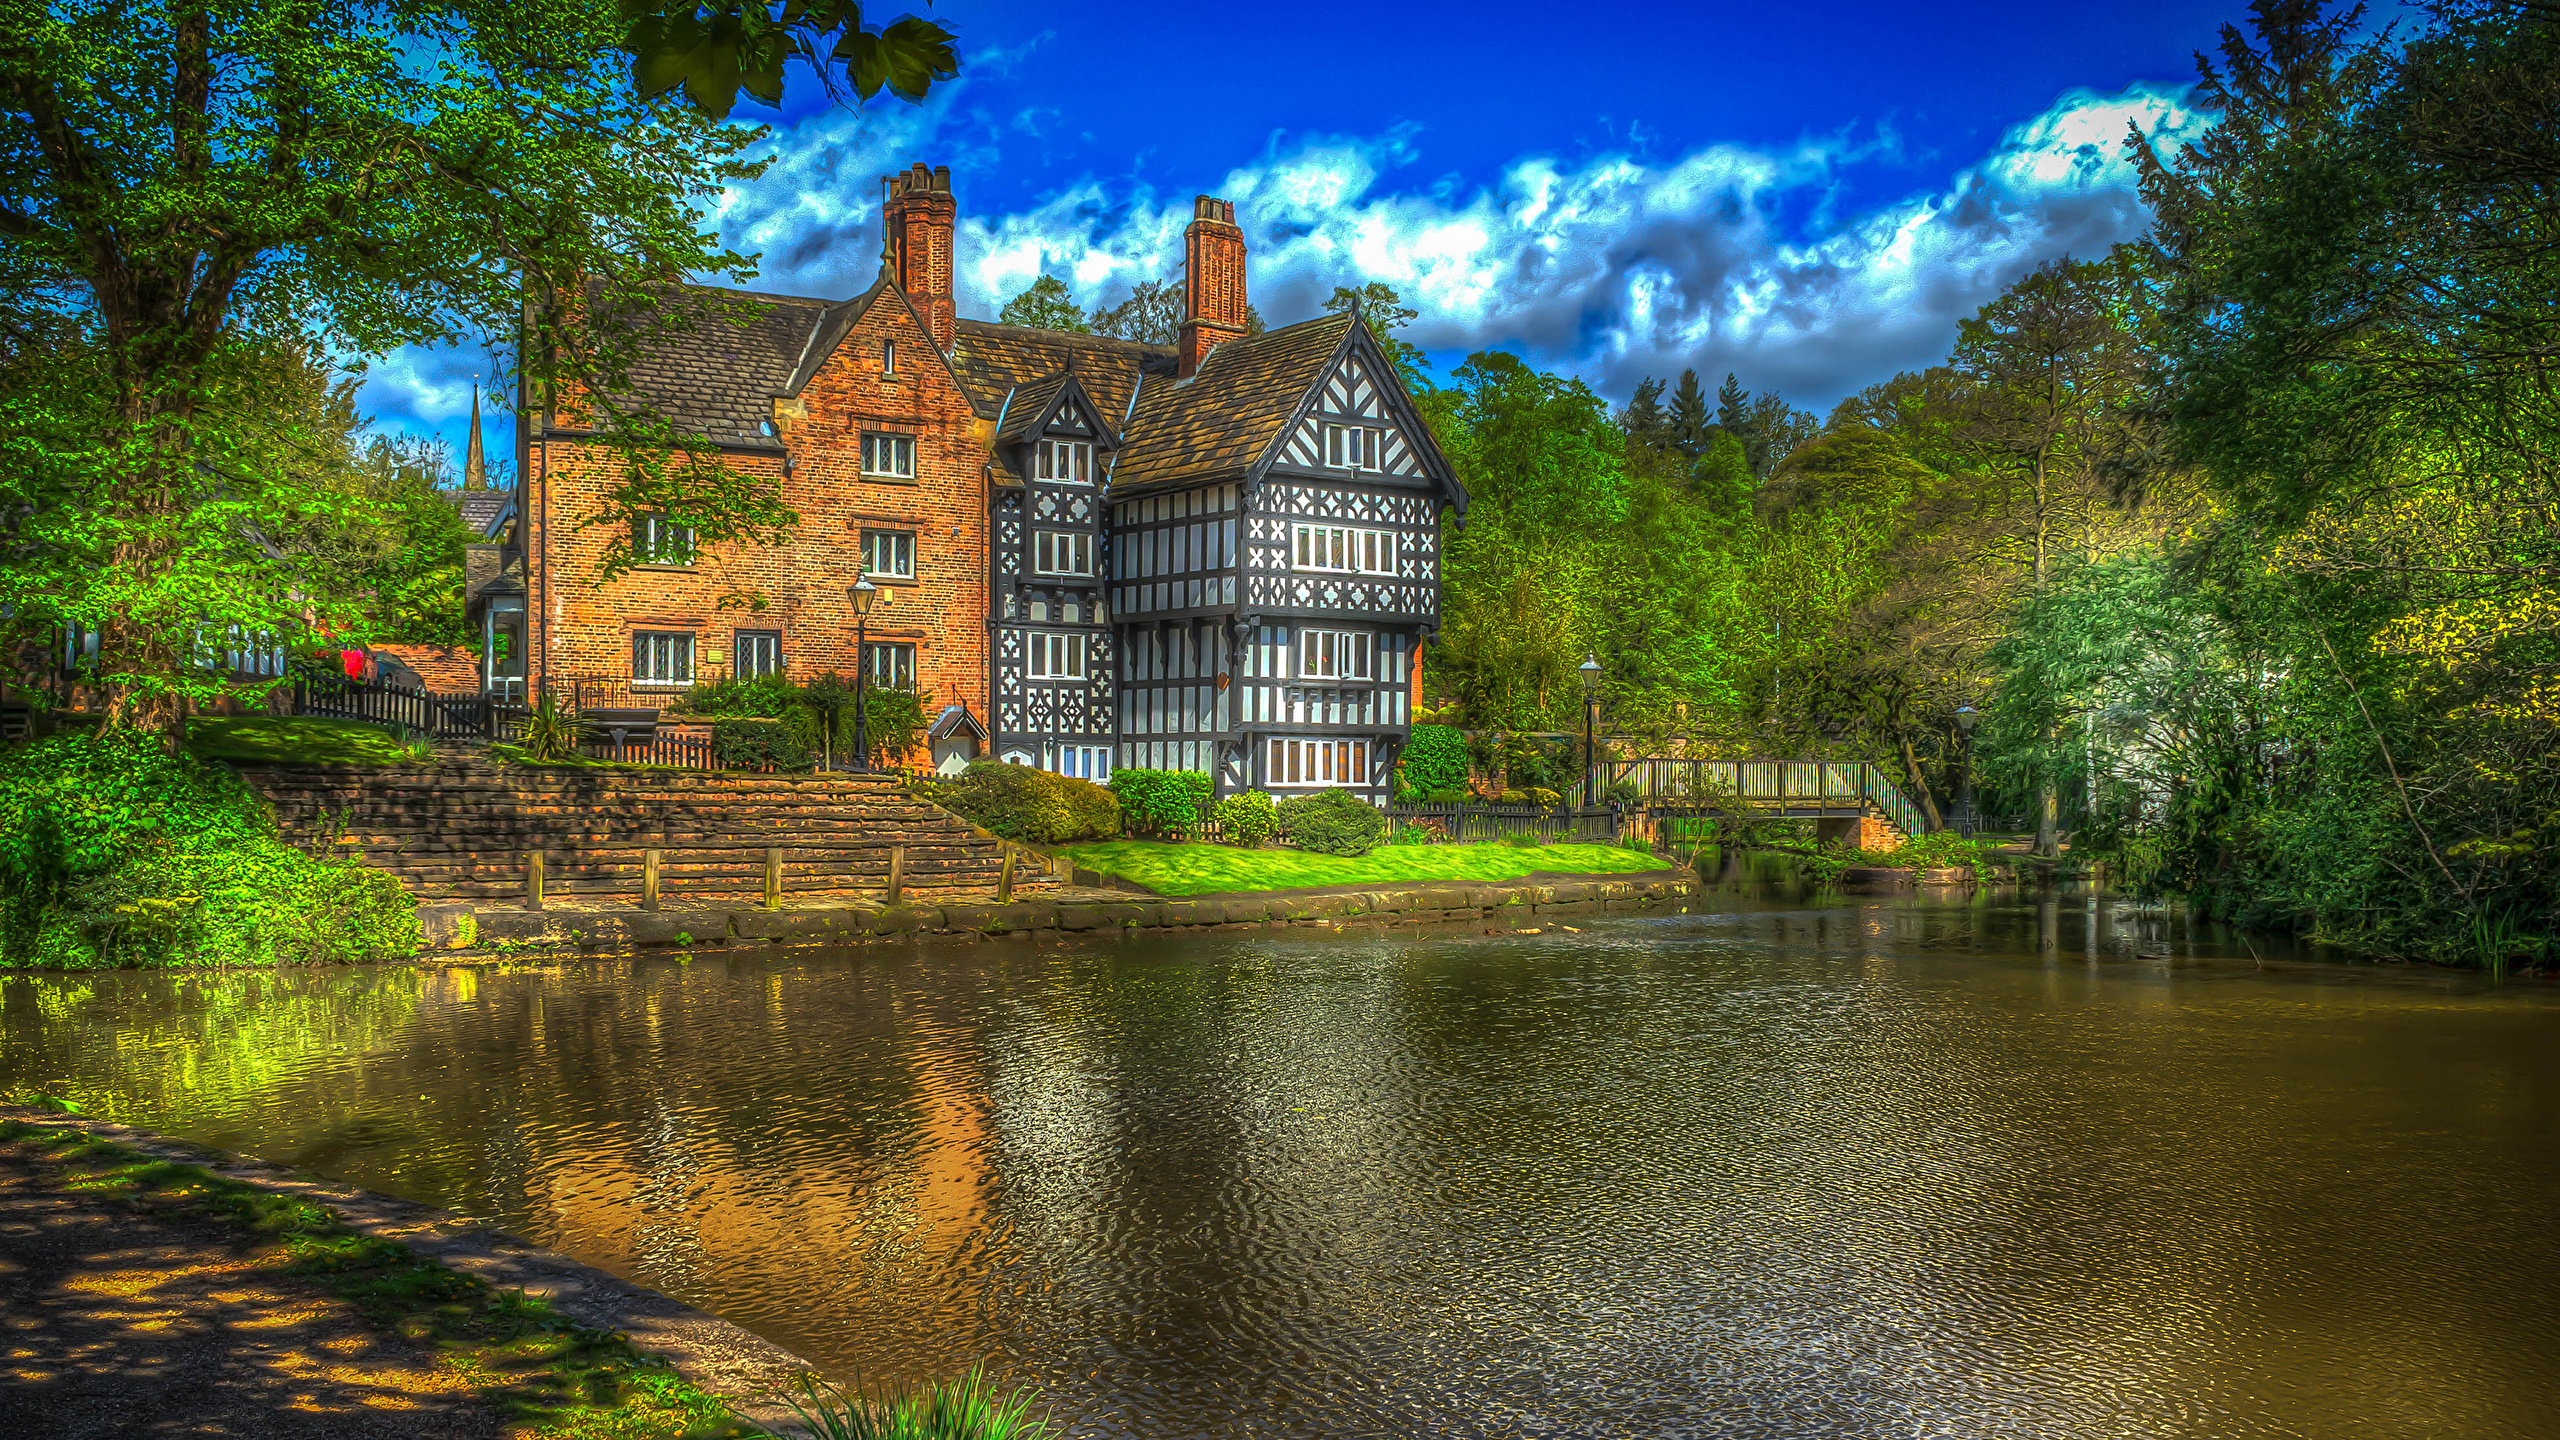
[[1332, 822], [1033, 806], [1159, 802], [1418, 832], [1248, 818], [114, 852], [893, 720], [1435, 762], [747, 742], [550, 732]]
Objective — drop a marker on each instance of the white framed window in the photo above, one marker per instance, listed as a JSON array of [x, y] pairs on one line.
[[1057, 657], [1307, 764], [1343, 551], [756, 652], [660, 658], [888, 357], [890, 666], [1061, 552], [1351, 447], [889, 554], [1067, 460], [889, 457], [1337, 655], [1085, 762], [656, 540]]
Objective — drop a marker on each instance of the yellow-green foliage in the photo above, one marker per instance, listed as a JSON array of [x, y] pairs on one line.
[[1247, 818], [1033, 806]]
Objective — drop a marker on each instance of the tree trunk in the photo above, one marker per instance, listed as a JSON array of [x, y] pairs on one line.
[[2048, 820], [1919, 787]]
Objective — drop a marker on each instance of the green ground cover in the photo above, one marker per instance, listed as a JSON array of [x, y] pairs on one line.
[[298, 740], [1174, 869], [547, 1378]]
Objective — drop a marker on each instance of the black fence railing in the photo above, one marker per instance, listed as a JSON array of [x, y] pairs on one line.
[[412, 712], [690, 752]]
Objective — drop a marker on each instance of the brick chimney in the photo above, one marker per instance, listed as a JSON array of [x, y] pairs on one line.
[[916, 217], [1212, 281]]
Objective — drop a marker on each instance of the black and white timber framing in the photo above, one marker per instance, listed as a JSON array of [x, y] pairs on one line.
[[1053, 680]]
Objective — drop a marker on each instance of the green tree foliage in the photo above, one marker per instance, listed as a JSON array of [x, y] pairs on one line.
[[1690, 428], [714, 52], [1386, 315], [297, 180], [1247, 818], [1435, 764], [1046, 305], [1152, 315], [1160, 802]]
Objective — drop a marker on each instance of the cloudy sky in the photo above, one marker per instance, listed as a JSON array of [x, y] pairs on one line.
[[1809, 196]]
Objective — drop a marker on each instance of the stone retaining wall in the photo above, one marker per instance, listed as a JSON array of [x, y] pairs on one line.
[[466, 932]]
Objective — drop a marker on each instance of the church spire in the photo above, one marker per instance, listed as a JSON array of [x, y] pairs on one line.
[[475, 465]]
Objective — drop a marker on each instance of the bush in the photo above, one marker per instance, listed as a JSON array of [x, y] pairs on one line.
[[746, 742], [1332, 822], [1032, 806], [1248, 818], [893, 720], [114, 852], [1435, 762], [1418, 832], [1159, 802]]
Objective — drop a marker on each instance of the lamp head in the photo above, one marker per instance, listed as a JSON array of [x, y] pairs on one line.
[[864, 595], [1590, 670], [1966, 718]]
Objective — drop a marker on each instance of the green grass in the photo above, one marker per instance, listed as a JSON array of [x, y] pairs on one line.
[[298, 740], [546, 1378], [1209, 869]]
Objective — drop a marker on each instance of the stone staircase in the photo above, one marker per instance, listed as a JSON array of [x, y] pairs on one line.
[[462, 828]]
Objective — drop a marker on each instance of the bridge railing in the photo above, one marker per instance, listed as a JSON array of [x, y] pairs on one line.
[[1829, 784]]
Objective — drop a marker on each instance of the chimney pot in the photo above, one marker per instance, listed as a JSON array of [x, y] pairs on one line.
[[1213, 256], [919, 217]]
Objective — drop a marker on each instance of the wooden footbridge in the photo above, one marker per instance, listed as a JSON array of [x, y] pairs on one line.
[[1818, 790]]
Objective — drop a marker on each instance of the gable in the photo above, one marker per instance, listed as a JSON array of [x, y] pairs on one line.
[[1352, 397]]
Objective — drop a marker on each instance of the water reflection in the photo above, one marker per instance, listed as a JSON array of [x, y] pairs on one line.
[[1948, 1163]]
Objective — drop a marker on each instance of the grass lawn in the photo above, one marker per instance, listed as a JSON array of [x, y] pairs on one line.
[[1208, 869], [298, 741]]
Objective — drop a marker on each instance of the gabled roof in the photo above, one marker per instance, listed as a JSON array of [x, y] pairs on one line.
[[1034, 407], [480, 509], [992, 360], [715, 375], [956, 720], [1219, 424]]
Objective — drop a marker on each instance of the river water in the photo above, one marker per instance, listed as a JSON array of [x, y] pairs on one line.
[[1844, 1167]]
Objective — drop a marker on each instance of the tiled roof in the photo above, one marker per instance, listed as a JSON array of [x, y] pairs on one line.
[[443, 667], [717, 377], [992, 359], [1217, 424], [1030, 403], [478, 507]]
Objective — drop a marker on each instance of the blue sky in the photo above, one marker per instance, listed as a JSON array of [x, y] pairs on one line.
[[1809, 196]]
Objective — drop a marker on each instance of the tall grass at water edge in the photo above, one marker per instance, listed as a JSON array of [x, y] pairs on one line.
[[964, 1409]]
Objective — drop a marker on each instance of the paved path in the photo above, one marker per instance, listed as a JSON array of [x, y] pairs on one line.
[[118, 1324]]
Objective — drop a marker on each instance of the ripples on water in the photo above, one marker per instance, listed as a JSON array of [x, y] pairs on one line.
[[1865, 1168]]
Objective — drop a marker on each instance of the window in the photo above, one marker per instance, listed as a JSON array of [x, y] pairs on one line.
[[1336, 655], [1061, 552], [1068, 460], [888, 357], [1085, 762], [656, 540], [1345, 551], [891, 667], [889, 457], [889, 554], [1318, 762], [1057, 657], [1351, 447], [661, 659], [757, 652]]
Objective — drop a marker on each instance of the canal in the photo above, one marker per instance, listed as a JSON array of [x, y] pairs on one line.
[[1841, 1167]]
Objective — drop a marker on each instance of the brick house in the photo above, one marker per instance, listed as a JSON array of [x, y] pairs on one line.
[[1218, 555]]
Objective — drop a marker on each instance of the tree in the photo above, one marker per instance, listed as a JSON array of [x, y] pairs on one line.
[[1386, 314], [1690, 429], [715, 51], [1046, 305], [194, 187], [1647, 424], [1152, 315]]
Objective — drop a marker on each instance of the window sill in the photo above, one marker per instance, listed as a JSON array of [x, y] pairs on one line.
[[667, 566], [871, 479]]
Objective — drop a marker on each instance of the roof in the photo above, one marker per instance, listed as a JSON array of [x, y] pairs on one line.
[[443, 667], [479, 507], [715, 375], [1028, 407], [991, 359], [955, 720], [1218, 424]]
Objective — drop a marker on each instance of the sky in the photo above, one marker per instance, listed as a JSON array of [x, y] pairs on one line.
[[1808, 196]]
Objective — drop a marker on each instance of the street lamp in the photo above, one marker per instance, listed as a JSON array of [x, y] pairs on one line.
[[864, 595], [1965, 721], [1590, 669]]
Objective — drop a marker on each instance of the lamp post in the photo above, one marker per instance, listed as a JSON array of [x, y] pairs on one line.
[[1590, 669], [1965, 718], [864, 595]]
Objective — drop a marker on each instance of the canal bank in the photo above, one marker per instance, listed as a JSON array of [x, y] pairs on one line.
[[465, 932]]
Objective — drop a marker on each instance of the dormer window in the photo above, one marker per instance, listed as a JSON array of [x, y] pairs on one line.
[[1070, 461], [1351, 447], [888, 357]]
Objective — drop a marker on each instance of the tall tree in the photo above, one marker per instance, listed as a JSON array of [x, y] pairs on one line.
[[196, 184], [1647, 424], [1386, 315], [1046, 305], [1690, 426], [1152, 315]]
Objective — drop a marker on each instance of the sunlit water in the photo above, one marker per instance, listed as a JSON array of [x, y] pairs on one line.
[[1881, 1167]]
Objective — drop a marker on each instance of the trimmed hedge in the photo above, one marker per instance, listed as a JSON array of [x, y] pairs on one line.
[[1032, 806], [1333, 822], [1435, 762], [752, 742], [1247, 818], [1159, 802]]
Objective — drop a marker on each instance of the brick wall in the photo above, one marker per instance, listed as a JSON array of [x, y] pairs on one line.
[[587, 626]]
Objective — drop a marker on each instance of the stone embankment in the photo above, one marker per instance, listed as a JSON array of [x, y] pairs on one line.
[[461, 931], [463, 830]]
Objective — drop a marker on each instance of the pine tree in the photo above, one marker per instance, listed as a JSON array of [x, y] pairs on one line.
[[1733, 405], [1689, 423], [1647, 425], [1045, 306]]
